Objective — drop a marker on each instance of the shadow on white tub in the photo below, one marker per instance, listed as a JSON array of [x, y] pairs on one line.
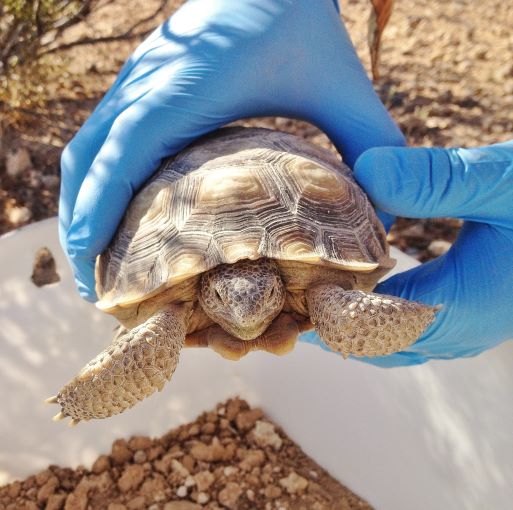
[[438, 436]]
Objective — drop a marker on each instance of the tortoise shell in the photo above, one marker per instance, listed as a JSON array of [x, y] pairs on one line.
[[241, 193]]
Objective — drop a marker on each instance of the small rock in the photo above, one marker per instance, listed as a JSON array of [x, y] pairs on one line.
[[179, 468], [116, 506], [17, 162], [18, 215], [272, 492], [208, 428], [252, 458], [137, 503], [55, 502], [209, 453], [47, 489], [204, 479], [50, 181], [140, 457], [154, 488], [120, 452], [439, 247], [76, 501], [101, 464], [189, 482], [202, 498], [265, 435], [188, 463], [14, 490], [247, 419], [414, 230], [250, 494], [43, 476], [181, 492], [30, 505], [139, 443], [230, 495], [181, 505], [294, 483], [44, 269], [131, 478], [233, 408]]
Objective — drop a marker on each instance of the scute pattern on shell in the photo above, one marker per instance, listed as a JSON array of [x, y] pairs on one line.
[[241, 193]]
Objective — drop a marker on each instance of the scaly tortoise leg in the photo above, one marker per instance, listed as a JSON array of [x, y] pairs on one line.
[[364, 323], [136, 364]]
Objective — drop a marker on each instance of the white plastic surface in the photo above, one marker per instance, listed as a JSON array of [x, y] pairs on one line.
[[438, 436]]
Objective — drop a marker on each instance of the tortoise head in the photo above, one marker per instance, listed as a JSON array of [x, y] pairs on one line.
[[243, 298]]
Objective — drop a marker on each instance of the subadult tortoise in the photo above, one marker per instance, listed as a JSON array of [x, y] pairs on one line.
[[241, 242]]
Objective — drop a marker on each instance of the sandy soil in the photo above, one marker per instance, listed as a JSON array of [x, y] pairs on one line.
[[447, 78]]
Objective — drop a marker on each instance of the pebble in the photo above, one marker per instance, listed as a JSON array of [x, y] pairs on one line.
[[204, 479], [265, 435], [55, 502], [181, 505], [18, 215], [179, 468], [294, 483], [132, 477], [229, 496], [140, 457], [439, 247], [181, 492], [202, 498], [17, 162], [415, 230], [101, 464], [137, 503], [209, 453], [139, 443], [247, 419], [120, 452]]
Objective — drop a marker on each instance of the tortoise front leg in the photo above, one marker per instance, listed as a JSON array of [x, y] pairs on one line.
[[136, 364], [364, 323]]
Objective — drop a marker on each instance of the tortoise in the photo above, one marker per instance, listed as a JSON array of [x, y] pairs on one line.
[[241, 242]]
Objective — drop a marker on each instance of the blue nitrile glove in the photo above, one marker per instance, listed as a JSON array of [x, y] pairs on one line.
[[212, 62], [474, 279]]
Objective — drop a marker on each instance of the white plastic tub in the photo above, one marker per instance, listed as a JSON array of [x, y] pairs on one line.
[[438, 436]]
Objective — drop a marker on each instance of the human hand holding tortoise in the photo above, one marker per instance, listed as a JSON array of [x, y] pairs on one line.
[[212, 62], [474, 278], [241, 242]]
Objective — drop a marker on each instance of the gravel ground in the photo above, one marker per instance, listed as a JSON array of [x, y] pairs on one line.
[[446, 77], [231, 458]]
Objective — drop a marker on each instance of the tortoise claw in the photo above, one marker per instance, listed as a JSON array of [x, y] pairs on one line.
[[59, 416], [52, 400]]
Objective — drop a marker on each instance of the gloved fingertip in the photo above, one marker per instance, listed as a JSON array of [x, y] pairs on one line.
[[87, 294], [378, 171], [83, 270]]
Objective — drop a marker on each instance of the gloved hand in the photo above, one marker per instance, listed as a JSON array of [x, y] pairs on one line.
[[212, 62], [474, 279]]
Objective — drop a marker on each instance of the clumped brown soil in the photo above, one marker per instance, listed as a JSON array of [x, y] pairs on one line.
[[233, 457], [446, 77]]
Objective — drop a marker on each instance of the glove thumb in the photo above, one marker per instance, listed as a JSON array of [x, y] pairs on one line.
[[435, 182]]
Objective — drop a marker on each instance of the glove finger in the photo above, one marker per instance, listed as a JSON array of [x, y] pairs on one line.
[[138, 140], [472, 184], [79, 154]]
